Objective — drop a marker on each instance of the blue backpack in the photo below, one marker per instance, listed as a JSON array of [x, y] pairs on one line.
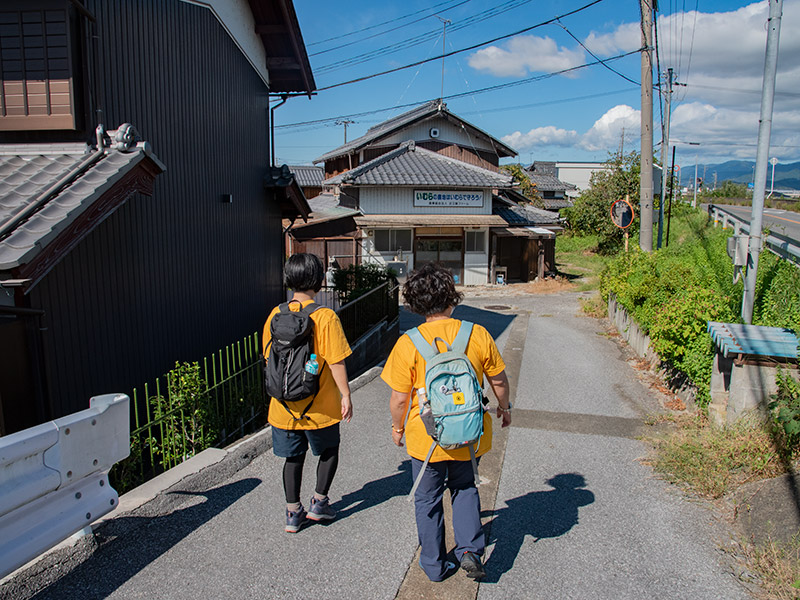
[[452, 405]]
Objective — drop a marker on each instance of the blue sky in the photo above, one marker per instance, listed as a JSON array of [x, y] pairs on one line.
[[715, 47]]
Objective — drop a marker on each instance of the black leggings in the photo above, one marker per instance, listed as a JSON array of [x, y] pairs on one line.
[[293, 473]]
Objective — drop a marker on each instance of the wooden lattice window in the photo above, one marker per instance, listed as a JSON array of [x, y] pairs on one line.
[[37, 90]]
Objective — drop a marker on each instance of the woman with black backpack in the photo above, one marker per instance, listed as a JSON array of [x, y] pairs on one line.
[[305, 347]]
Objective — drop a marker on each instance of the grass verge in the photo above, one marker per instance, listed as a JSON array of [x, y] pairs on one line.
[[711, 461], [577, 260], [778, 566]]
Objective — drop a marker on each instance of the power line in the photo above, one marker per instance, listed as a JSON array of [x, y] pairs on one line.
[[467, 49], [344, 35], [420, 38], [305, 124], [374, 35], [593, 55]]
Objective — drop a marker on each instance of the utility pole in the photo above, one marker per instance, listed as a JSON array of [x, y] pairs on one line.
[[664, 148], [694, 200], [762, 154], [345, 122], [646, 172], [445, 23]]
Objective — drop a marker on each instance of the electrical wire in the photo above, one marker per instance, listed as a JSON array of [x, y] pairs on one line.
[[420, 38], [478, 91], [593, 55], [467, 49], [374, 35], [344, 35]]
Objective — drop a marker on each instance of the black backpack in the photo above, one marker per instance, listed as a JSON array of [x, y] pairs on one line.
[[291, 345]]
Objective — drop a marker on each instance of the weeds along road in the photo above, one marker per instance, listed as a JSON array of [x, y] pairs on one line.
[[570, 510]]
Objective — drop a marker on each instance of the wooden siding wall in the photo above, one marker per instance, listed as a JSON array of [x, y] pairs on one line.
[[400, 201], [449, 134], [178, 275]]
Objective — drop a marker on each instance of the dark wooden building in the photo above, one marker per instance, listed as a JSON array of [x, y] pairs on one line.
[[131, 282]]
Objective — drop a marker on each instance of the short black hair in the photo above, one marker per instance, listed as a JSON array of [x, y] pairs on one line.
[[430, 290], [303, 272]]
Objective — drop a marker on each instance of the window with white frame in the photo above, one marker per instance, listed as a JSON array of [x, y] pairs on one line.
[[393, 240], [475, 241]]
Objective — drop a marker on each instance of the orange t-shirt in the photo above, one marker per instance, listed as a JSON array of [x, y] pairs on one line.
[[330, 346], [405, 371]]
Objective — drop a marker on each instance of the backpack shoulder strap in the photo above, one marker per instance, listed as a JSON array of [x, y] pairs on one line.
[[462, 339], [307, 310], [425, 349]]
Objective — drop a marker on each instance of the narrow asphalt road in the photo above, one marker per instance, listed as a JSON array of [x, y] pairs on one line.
[[570, 509]]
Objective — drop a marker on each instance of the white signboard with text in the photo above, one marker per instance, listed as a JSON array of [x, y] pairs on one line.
[[448, 199]]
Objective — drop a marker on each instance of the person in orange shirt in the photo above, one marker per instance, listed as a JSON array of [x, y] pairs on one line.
[[293, 432], [430, 291]]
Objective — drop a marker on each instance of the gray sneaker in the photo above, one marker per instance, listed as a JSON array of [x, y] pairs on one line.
[[295, 520], [320, 510]]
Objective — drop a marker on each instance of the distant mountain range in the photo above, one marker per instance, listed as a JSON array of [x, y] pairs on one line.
[[787, 175]]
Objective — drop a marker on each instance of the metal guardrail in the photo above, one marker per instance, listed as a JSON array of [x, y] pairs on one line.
[[54, 478], [784, 248], [363, 313]]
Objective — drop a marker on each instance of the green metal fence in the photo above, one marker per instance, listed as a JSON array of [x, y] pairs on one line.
[[194, 407], [219, 399]]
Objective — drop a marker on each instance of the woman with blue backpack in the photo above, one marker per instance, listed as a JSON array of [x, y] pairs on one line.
[[438, 369]]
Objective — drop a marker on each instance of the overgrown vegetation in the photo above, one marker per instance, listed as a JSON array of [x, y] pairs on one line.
[[590, 213], [356, 280], [710, 461], [525, 186], [778, 564], [578, 259], [672, 293]]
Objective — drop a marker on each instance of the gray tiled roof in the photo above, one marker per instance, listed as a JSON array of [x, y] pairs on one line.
[[326, 206], [524, 214], [411, 165], [394, 124], [543, 174], [556, 203], [30, 218], [308, 175]]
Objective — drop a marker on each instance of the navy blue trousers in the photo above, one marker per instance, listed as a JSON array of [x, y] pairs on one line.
[[457, 476]]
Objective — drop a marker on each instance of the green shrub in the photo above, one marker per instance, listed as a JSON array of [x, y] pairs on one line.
[[591, 212], [356, 280]]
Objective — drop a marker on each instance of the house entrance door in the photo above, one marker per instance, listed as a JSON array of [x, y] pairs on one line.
[[447, 251]]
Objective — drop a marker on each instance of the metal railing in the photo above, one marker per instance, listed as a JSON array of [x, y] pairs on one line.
[[224, 398], [363, 313], [785, 248], [169, 427]]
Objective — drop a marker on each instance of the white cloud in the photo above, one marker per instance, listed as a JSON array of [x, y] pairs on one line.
[[541, 136], [525, 54], [606, 132], [624, 38], [720, 58]]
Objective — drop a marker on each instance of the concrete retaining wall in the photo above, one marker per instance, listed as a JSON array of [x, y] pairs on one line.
[[630, 331]]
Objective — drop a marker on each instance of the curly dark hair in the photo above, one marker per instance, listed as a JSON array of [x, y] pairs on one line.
[[430, 290]]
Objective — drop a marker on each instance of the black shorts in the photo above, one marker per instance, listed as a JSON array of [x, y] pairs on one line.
[[293, 442]]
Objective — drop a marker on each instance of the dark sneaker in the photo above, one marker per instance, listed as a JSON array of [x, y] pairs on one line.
[[295, 520], [320, 510], [471, 563]]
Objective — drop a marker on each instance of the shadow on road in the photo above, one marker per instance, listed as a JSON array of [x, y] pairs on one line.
[[129, 544], [537, 514], [494, 322], [375, 492]]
